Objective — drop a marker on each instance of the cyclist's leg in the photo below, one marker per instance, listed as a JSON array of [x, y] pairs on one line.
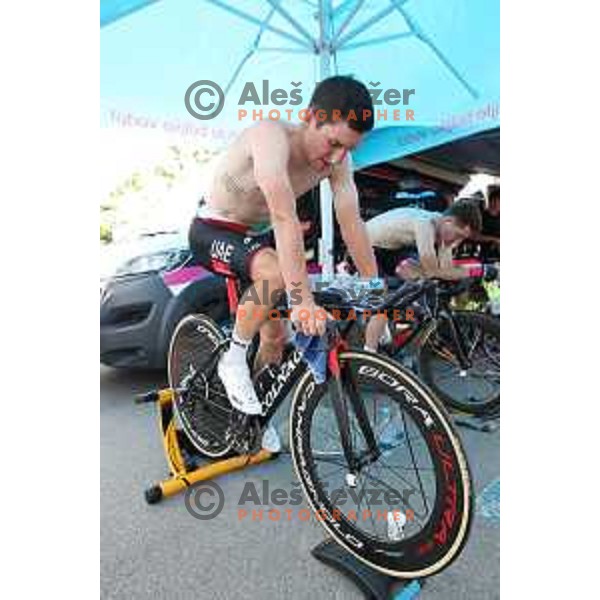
[[258, 270], [253, 316], [376, 333], [266, 275], [273, 336], [231, 245], [265, 286], [390, 263]]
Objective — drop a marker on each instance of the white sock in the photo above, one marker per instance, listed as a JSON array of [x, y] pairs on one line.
[[386, 336], [237, 349], [369, 349]]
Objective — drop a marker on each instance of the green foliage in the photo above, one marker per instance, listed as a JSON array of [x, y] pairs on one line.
[[144, 187], [106, 235]]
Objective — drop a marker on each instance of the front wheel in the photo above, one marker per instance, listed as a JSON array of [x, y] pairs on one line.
[[407, 511]]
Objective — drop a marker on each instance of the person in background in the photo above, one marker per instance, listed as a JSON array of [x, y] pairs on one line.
[[423, 240], [415, 243], [489, 237]]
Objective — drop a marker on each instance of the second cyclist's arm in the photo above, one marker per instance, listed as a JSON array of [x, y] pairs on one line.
[[434, 264], [447, 268], [486, 239]]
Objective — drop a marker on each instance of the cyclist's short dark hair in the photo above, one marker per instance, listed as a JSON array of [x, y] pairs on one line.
[[343, 94], [466, 212]]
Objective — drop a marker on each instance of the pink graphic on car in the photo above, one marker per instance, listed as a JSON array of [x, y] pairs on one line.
[[179, 278]]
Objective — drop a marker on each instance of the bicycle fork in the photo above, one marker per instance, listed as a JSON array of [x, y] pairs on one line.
[[459, 343], [340, 406]]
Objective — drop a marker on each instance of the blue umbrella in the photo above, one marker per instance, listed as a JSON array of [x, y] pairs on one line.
[[169, 65]]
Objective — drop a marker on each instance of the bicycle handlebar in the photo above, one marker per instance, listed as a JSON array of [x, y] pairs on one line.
[[402, 293]]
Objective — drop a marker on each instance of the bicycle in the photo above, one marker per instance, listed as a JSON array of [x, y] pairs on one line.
[[455, 352], [372, 426]]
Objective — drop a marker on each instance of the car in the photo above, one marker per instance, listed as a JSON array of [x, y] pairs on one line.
[[153, 286]]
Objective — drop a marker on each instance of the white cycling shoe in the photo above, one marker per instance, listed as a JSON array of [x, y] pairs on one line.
[[271, 440], [238, 386]]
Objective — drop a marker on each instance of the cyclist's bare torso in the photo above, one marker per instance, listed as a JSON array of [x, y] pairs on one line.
[[234, 194]]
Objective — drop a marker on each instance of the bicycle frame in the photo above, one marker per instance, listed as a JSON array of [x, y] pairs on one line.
[[292, 367], [441, 310]]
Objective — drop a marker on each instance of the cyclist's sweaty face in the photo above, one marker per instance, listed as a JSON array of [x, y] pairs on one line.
[[328, 143], [451, 231]]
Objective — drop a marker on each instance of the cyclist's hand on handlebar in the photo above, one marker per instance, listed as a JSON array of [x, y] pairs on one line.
[[309, 318], [409, 269]]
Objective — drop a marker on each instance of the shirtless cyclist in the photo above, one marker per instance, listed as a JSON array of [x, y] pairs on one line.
[[399, 234], [249, 220]]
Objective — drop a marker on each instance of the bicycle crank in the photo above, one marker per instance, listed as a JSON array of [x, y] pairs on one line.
[[245, 432]]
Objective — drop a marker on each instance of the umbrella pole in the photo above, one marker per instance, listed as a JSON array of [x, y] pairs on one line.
[[326, 200]]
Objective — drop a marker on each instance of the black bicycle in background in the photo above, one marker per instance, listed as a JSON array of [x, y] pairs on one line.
[[455, 352], [371, 431]]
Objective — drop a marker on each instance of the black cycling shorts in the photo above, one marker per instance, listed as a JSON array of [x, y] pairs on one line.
[[228, 243]]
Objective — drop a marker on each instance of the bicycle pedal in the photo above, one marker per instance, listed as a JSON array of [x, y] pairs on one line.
[[245, 432], [387, 348]]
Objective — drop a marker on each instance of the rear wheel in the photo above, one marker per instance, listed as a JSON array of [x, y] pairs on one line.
[[201, 403], [408, 511], [475, 390]]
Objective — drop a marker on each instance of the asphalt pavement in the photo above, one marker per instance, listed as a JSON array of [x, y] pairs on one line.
[[161, 551]]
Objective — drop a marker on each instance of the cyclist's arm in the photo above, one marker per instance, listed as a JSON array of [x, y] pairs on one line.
[[486, 239], [432, 263], [270, 153], [352, 227], [448, 269]]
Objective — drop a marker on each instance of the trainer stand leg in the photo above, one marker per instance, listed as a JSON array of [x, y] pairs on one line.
[[373, 584], [184, 464]]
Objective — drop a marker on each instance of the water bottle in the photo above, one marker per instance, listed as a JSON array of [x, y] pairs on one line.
[[396, 520], [392, 433]]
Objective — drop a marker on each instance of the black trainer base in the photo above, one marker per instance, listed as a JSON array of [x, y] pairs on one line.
[[373, 584]]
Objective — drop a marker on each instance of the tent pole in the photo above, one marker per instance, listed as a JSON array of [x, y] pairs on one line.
[[324, 47]]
